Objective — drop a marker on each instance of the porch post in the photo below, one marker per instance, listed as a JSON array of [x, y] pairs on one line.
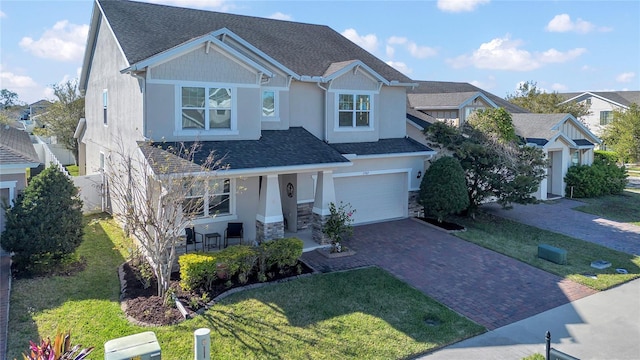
[[269, 220], [325, 194]]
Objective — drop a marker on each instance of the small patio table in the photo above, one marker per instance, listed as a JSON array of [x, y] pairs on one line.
[[212, 236]]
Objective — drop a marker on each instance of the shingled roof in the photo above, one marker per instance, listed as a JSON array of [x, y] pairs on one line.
[[382, 146], [276, 148], [428, 90], [16, 147], [144, 30], [541, 128], [625, 98]]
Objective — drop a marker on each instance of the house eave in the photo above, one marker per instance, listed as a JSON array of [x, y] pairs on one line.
[[390, 155], [262, 170]]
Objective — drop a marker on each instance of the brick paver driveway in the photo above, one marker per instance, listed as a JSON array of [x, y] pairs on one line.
[[489, 288]]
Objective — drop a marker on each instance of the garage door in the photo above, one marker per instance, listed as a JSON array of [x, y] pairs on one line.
[[374, 197]]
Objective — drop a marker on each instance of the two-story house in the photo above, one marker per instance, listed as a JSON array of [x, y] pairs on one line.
[[302, 116], [564, 140], [601, 105]]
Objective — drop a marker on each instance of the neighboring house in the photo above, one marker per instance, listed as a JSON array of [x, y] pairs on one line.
[[564, 140], [451, 102], [16, 156], [303, 116], [601, 106]]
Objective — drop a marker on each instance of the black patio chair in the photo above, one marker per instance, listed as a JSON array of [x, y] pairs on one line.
[[233, 231], [192, 238]]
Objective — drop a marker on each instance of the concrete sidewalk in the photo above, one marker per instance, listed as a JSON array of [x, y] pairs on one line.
[[602, 326]]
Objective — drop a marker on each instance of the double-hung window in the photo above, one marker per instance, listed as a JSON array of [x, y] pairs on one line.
[[105, 104], [206, 108], [207, 198], [606, 117], [354, 110]]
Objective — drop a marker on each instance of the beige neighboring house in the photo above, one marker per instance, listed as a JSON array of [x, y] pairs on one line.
[[303, 116], [601, 105], [564, 140], [17, 155], [451, 102]]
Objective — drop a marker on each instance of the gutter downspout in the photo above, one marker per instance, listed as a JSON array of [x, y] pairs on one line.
[[326, 116], [143, 84]]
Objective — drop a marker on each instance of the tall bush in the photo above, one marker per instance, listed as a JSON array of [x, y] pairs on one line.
[[443, 189], [45, 224], [603, 177]]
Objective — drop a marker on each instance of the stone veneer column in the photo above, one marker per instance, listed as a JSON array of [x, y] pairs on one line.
[[269, 231], [325, 194]]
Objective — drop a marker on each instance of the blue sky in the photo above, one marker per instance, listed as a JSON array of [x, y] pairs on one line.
[[563, 45]]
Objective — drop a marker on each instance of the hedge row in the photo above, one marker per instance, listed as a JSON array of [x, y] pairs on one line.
[[603, 177], [200, 270]]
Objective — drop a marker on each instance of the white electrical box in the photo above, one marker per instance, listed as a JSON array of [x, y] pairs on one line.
[[142, 346]]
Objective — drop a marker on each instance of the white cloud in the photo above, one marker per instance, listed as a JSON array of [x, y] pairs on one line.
[[625, 77], [400, 66], [417, 51], [559, 87], [563, 23], [27, 89], [280, 16], [489, 84], [506, 54], [2, 14], [368, 42], [460, 5], [63, 42]]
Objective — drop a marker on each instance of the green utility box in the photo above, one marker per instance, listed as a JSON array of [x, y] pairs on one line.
[[553, 254], [142, 346]]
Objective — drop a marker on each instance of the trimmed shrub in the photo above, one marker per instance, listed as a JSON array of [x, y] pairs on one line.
[[45, 224], [443, 189], [240, 260], [197, 271], [603, 177]]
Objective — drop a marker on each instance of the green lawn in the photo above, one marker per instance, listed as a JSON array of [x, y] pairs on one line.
[[521, 241], [361, 314], [73, 170], [622, 208]]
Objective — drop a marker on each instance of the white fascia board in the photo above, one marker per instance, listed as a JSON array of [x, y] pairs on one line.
[[81, 125], [354, 65], [263, 171], [583, 128], [440, 107], [577, 97], [390, 155], [227, 32], [479, 95], [415, 125], [191, 45], [563, 137], [96, 14]]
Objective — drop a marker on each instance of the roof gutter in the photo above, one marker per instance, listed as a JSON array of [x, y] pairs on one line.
[[261, 171]]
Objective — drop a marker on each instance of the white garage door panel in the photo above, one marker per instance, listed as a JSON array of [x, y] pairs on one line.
[[374, 197]]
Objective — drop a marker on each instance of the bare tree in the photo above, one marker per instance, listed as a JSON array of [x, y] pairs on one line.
[[156, 191]]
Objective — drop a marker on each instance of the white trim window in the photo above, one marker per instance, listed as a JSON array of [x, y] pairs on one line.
[[206, 108], [354, 111], [575, 158], [210, 199], [269, 107]]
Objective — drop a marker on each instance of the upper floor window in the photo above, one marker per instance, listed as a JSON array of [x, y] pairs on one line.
[[606, 117], [354, 110], [206, 199], [588, 101], [269, 105], [206, 108], [105, 103]]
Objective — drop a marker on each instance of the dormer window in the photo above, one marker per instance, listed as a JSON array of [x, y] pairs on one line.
[[206, 108], [354, 111]]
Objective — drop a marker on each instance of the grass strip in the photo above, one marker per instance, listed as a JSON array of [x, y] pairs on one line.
[[521, 241]]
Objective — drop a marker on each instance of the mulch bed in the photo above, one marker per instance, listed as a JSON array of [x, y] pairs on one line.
[[147, 308]]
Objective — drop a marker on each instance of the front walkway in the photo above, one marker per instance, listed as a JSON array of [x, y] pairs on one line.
[[561, 218], [489, 288]]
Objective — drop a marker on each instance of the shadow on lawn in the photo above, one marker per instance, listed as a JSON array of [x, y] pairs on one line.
[[32, 296]]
